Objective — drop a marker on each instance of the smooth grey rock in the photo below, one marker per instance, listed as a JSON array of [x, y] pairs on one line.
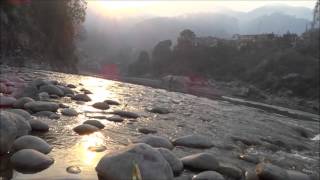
[[155, 141], [85, 129], [51, 89], [8, 132], [38, 125], [183, 177], [69, 112], [95, 123], [41, 106], [71, 86], [267, 171], [296, 175], [230, 170], [125, 114], [194, 141], [101, 105], [175, 163], [6, 101], [160, 110], [29, 91], [201, 161], [29, 160], [115, 118], [112, 102], [208, 175], [119, 165], [22, 125], [65, 90], [147, 131], [43, 96], [81, 97], [31, 142], [25, 114], [21, 102]]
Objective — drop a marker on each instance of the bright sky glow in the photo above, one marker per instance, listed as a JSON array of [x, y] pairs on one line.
[[123, 8]]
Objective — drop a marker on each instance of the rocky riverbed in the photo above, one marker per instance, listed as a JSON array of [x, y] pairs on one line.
[[81, 127]]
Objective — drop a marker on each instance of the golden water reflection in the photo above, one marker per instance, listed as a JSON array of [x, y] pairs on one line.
[[86, 156]]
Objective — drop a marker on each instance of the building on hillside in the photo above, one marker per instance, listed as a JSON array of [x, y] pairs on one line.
[[208, 41]]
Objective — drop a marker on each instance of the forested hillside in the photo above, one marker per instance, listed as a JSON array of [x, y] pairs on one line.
[[41, 32]]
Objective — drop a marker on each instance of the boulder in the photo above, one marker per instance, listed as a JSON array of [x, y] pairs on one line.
[[65, 90], [147, 131], [183, 177], [111, 102], [71, 86], [95, 123], [8, 132], [267, 171], [69, 112], [31, 142], [38, 106], [115, 118], [208, 175], [230, 170], [6, 101], [21, 102], [29, 91], [25, 114], [101, 105], [296, 175], [142, 158], [201, 161], [51, 89], [22, 125], [159, 110], [126, 114], [29, 160], [38, 125], [85, 129], [175, 163], [43, 96], [193, 141], [81, 97], [155, 141]]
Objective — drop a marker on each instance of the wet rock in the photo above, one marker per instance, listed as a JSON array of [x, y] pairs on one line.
[[95, 123], [38, 125], [21, 102], [120, 164], [61, 105], [69, 112], [29, 91], [160, 110], [29, 160], [8, 132], [175, 163], [85, 129], [201, 161], [208, 175], [48, 114], [267, 171], [250, 158], [147, 131], [115, 118], [230, 170], [71, 86], [6, 101], [155, 141], [44, 96], [73, 169], [251, 175], [51, 90], [101, 105], [22, 125], [53, 96], [81, 97], [126, 114], [65, 90], [31, 142], [38, 106], [25, 114], [194, 141], [295, 175], [112, 102]]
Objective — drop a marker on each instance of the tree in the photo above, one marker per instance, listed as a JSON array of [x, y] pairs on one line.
[[141, 66], [161, 57], [186, 39]]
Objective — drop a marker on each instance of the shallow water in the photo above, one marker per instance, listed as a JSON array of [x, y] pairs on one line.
[[221, 121]]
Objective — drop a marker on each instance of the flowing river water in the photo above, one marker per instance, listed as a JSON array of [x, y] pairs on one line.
[[242, 135]]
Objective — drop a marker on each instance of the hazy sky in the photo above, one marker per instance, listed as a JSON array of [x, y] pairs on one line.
[[123, 8]]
